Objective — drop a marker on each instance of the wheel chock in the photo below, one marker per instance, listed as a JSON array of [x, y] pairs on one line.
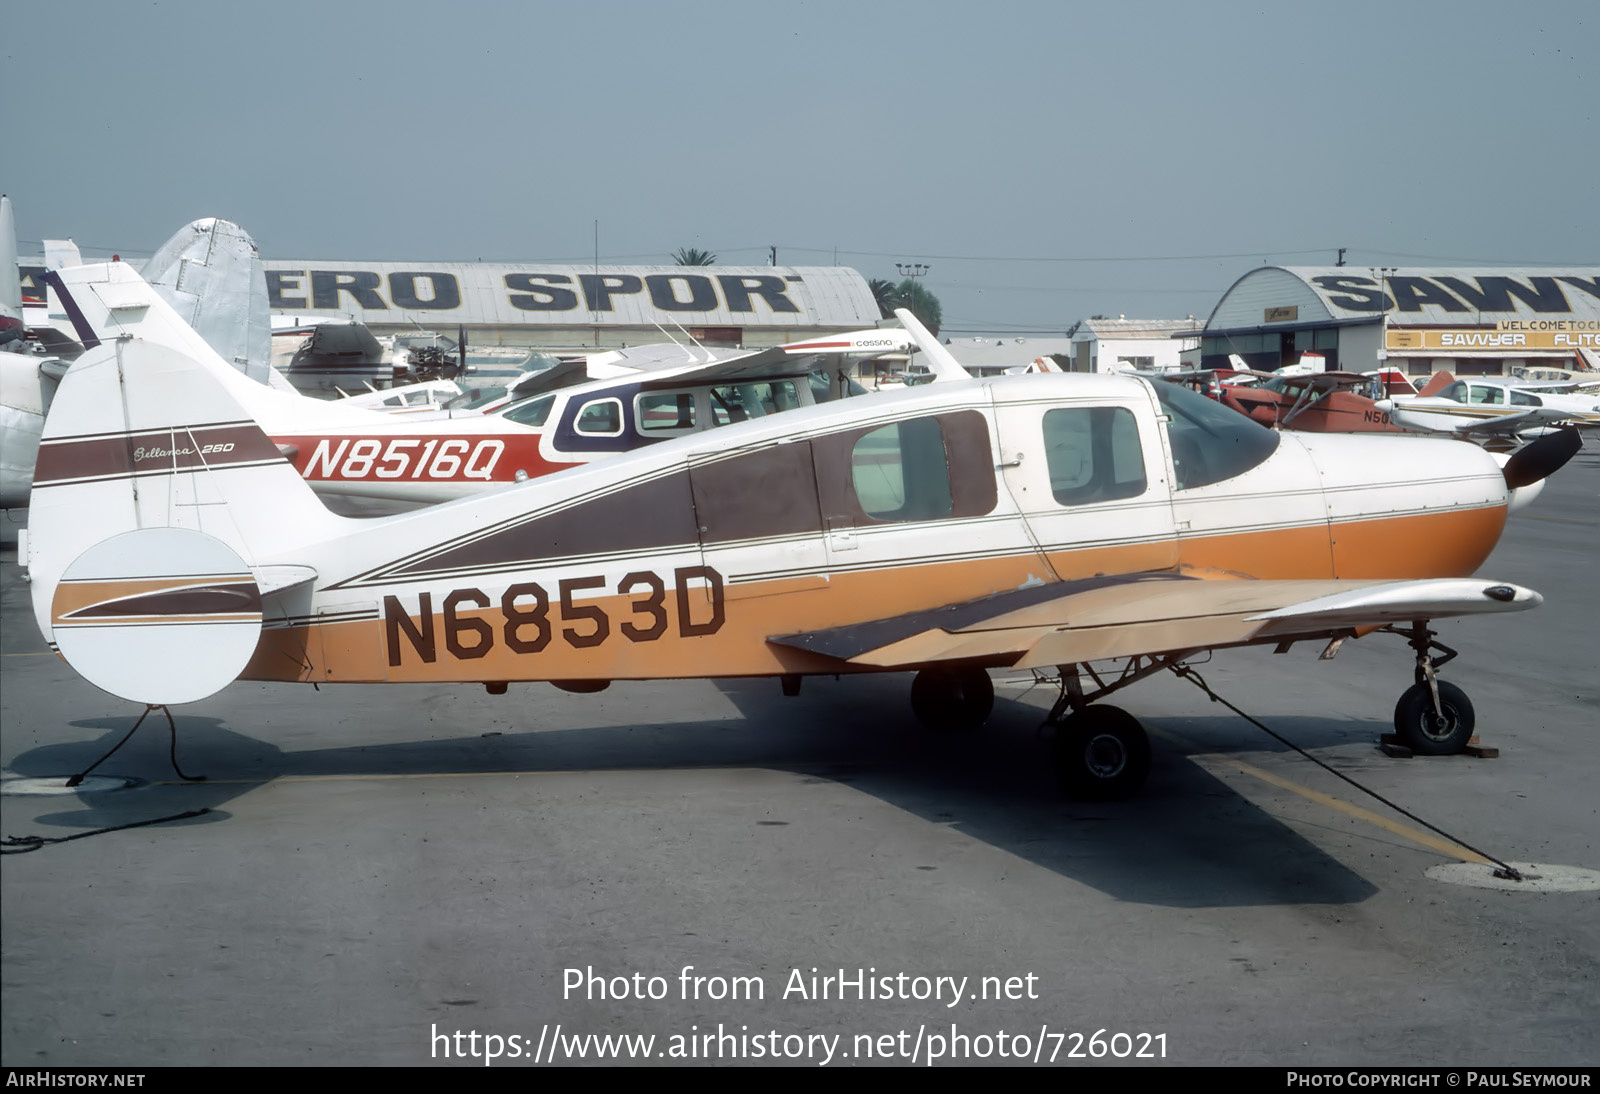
[[1390, 745]]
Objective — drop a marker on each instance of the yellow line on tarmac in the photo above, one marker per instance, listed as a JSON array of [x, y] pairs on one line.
[[413, 775], [1405, 831], [41, 653], [350, 778]]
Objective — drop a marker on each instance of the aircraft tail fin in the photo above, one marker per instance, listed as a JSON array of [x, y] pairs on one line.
[[108, 300], [10, 285], [1440, 381], [160, 516], [210, 273]]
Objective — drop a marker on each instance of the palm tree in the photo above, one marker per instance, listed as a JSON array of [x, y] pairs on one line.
[[884, 293], [910, 294], [693, 256]]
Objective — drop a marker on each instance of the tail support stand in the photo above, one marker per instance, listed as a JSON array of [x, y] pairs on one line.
[[171, 725]]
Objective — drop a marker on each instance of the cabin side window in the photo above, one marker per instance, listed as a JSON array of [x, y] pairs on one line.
[[741, 402], [900, 471], [1093, 454], [665, 413]]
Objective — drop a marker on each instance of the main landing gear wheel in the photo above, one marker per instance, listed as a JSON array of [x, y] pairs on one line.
[[1101, 753], [948, 700], [1423, 730]]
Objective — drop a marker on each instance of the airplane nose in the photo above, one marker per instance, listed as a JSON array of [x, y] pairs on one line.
[[1522, 496]]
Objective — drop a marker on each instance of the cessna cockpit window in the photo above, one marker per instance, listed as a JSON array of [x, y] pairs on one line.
[[1209, 441], [900, 471], [602, 417], [531, 412], [1093, 454]]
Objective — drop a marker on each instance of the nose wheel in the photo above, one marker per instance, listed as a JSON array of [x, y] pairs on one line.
[[1432, 718], [1434, 732]]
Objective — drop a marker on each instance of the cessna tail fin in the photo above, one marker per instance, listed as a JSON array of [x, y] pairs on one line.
[[160, 515]]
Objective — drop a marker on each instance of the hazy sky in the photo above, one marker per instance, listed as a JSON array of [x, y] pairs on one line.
[[1048, 160]]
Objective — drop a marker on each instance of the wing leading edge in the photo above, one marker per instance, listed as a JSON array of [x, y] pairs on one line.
[[1143, 614]]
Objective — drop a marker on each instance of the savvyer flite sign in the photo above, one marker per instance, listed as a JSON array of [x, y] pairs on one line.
[[1467, 339]]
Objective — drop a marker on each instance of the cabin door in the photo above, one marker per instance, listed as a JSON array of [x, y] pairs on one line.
[[1089, 482]]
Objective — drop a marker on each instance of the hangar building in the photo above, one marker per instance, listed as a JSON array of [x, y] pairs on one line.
[[1492, 321], [578, 308]]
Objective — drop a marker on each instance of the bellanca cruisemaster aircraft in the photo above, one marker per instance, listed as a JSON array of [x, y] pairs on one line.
[[581, 412], [1022, 522]]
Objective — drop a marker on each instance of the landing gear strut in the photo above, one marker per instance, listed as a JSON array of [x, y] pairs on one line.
[[1433, 718], [1100, 752]]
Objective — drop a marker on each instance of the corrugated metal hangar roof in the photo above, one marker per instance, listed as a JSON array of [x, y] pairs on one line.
[[1426, 296], [527, 294]]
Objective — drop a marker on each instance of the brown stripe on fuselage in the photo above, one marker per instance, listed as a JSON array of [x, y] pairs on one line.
[[65, 459], [1445, 544]]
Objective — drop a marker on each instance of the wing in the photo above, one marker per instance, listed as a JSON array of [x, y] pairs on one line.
[[1099, 618], [1406, 414]]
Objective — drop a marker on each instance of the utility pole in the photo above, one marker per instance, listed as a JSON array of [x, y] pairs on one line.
[[1341, 257], [774, 249]]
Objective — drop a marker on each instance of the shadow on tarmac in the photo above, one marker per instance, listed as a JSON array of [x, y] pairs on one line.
[[1187, 840]]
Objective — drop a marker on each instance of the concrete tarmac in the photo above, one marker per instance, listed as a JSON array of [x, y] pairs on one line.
[[386, 868]]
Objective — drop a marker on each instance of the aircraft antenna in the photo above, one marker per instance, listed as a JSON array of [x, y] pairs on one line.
[[691, 338]]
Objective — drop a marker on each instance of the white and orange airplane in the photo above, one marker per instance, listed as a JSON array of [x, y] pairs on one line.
[[1021, 522], [586, 410]]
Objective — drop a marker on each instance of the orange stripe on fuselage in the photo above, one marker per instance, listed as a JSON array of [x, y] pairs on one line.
[[1444, 544]]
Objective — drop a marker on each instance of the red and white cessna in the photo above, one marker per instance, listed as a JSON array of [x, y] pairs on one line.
[[569, 416]]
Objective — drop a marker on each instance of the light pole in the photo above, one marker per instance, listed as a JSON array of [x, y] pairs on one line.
[[910, 271]]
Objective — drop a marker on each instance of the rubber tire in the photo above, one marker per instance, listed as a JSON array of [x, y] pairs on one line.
[[1418, 726], [952, 700], [1101, 754]]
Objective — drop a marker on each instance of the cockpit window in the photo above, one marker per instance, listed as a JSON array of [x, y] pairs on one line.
[[601, 417], [1209, 441], [1522, 398], [531, 411], [1487, 395]]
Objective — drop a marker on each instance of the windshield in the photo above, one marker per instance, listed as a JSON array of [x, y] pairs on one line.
[[1210, 442]]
